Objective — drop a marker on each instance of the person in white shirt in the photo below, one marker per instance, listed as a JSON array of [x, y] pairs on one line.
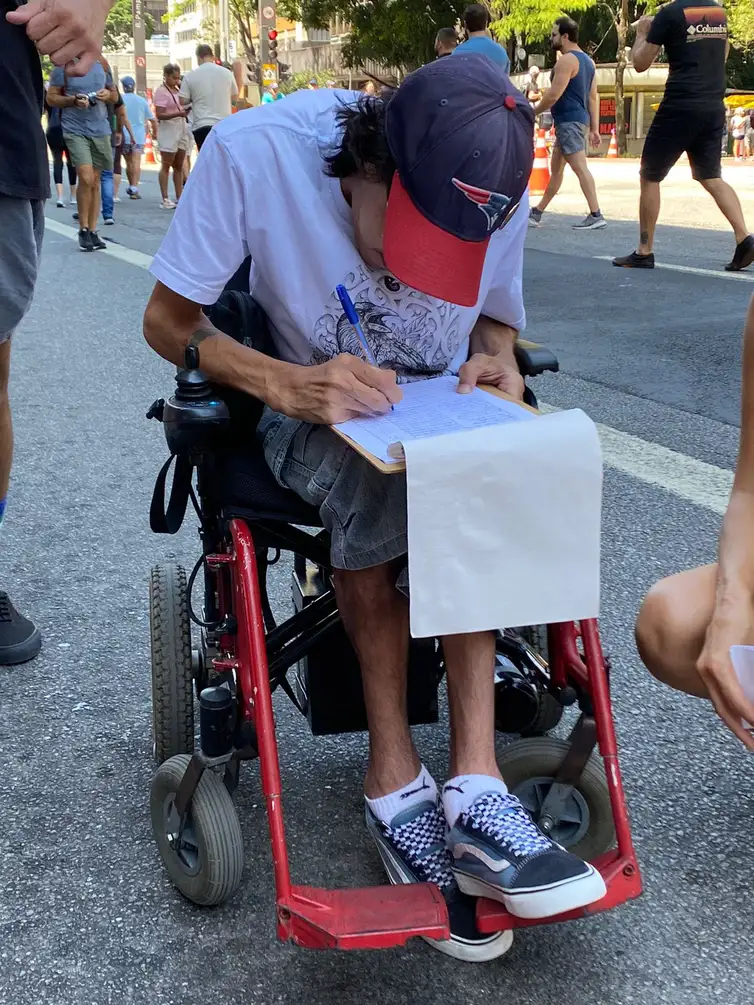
[[416, 202], [210, 91]]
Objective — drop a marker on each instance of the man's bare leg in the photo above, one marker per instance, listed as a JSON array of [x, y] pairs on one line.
[[557, 169], [578, 164], [85, 193], [729, 205], [94, 205], [470, 662], [375, 615], [649, 211]]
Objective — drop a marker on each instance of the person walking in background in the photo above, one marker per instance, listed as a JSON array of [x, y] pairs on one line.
[[369, 89], [572, 96], [532, 88], [272, 93], [690, 119], [446, 42], [172, 132], [476, 20], [749, 134], [313, 84], [738, 128], [59, 151], [140, 117], [86, 128], [110, 181], [210, 91]]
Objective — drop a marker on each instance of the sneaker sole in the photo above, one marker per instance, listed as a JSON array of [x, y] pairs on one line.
[[534, 223], [23, 652], [592, 226], [544, 902], [490, 948], [621, 265]]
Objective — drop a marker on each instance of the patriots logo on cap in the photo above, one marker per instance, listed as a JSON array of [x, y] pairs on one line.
[[492, 204]]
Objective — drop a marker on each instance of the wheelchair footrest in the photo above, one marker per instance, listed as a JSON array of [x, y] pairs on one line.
[[374, 917], [623, 881]]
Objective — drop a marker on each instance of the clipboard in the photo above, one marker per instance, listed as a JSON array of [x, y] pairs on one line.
[[400, 466]]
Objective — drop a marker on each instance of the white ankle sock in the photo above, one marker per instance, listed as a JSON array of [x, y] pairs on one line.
[[423, 789], [460, 792]]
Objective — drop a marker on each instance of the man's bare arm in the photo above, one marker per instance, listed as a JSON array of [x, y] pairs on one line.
[[565, 68], [343, 388], [643, 53], [493, 338], [56, 98]]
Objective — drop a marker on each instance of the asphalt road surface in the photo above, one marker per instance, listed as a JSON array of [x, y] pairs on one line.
[[87, 916]]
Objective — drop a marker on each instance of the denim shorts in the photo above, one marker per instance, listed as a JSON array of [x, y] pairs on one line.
[[571, 137], [363, 510]]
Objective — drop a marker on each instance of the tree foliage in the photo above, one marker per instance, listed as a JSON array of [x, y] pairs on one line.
[[119, 26]]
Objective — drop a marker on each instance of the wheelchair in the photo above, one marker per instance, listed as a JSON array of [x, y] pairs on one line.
[[220, 662]]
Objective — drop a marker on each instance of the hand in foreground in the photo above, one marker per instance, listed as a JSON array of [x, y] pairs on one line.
[[104, 94], [732, 624], [482, 369], [65, 30], [343, 388], [595, 139]]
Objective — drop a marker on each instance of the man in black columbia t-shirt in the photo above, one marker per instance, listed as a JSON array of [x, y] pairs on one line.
[[691, 118], [67, 30]]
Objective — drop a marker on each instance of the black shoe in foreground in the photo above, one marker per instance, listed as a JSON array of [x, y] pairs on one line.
[[635, 261], [85, 241], [97, 243], [20, 641], [743, 255]]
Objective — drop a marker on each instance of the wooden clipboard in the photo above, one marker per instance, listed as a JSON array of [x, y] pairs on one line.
[[400, 466]]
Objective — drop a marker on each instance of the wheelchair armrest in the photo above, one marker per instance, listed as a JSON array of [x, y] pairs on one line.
[[534, 359]]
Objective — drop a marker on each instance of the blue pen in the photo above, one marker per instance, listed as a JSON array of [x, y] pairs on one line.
[[353, 319]]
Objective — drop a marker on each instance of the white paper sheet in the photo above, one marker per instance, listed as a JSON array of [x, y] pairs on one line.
[[742, 658], [430, 408], [504, 525]]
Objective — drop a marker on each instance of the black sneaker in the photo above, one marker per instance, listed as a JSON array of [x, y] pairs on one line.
[[20, 641], [85, 241], [97, 243], [743, 255], [635, 261], [499, 852], [412, 848]]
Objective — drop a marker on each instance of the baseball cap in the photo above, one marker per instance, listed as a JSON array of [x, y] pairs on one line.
[[462, 137], [127, 83]]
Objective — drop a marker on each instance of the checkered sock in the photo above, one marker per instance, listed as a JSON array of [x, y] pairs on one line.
[[460, 792], [423, 789]]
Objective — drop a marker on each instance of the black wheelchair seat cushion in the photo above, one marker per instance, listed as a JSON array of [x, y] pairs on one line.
[[242, 484]]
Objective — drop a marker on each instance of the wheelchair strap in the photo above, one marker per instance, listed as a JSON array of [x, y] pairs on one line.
[[168, 520]]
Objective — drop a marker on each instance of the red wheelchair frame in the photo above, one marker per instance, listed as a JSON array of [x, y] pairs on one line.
[[383, 916]]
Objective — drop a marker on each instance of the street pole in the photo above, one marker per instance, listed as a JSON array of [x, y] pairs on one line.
[[224, 29], [140, 49]]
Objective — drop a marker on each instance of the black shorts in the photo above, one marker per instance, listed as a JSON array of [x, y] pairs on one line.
[[696, 132]]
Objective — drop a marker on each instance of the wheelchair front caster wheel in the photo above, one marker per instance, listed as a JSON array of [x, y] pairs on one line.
[[585, 824], [172, 663], [205, 860]]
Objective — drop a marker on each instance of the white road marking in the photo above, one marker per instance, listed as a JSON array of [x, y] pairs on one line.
[[696, 481], [113, 250], [739, 277]]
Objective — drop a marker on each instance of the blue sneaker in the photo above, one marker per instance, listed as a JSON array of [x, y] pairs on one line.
[[500, 853], [413, 850]]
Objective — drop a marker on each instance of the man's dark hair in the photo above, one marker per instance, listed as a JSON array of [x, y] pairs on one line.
[[567, 26], [476, 17], [446, 36], [170, 69], [204, 50], [363, 148]]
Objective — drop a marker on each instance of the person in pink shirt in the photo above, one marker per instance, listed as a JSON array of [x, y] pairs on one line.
[[172, 133]]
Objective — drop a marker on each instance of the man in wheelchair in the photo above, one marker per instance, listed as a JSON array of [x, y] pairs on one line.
[[417, 204]]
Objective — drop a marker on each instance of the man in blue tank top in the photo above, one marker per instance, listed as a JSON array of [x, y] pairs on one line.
[[572, 96]]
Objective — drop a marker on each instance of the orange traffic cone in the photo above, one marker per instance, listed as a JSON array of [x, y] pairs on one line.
[[540, 175], [149, 157], [612, 150]]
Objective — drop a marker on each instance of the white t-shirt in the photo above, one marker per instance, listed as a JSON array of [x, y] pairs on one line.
[[260, 189], [210, 88]]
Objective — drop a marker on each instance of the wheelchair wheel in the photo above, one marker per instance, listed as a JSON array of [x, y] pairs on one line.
[[172, 680], [536, 637], [206, 862], [586, 825]]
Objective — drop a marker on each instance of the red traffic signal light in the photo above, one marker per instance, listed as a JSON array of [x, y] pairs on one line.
[[272, 34]]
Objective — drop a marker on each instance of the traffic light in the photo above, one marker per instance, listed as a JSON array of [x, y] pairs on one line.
[[272, 45], [283, 72]]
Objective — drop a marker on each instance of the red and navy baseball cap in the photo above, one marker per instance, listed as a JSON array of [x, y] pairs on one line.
[[461, 136]]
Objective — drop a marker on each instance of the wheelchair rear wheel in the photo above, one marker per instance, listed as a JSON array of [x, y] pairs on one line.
[[172, 680], [205, 860], [585, 826]]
